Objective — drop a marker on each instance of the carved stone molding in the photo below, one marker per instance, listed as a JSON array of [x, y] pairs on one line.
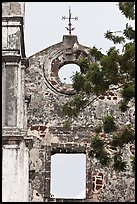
[[16, 140]]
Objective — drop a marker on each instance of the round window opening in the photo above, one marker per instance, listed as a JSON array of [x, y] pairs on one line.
[[67, 71]]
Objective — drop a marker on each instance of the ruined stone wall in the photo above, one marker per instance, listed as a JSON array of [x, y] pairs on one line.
[[15, 159], [45, 124], [12, 27], [15, 150], [45, 120]]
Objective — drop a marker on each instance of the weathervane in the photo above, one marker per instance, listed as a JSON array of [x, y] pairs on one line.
[[69, 28]]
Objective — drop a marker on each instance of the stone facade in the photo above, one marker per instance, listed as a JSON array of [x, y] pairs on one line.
[[16, 144], [41, 132]]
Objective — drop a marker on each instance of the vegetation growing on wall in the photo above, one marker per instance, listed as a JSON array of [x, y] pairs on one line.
[[108, 70]]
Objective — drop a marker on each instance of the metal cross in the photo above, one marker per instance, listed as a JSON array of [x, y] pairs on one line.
[[69, 28]]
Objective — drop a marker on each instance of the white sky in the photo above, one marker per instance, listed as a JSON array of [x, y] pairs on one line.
[[44, 27], [68, 175], [66, 76]]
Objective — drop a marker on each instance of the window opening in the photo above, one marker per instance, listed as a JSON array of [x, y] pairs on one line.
[[68, 175], [67, 71]]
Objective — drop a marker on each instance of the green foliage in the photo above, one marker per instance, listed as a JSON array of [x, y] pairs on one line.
[[124, 137], [116, 39], [87, 87], [127, 63], [67, 124], [78, 81], [129, 33], [83, 63], [97, 150], [119, 164], [68, 110], [110, 66], [128, 92], [97, 143], [109, 124], [95, 53], [103, 157], [98, 75], [113, 53], [72, 108], [79, 102], [128, 9], [98, 129], [123, 105]]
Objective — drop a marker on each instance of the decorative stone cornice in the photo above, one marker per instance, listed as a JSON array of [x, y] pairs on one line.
[[16, 140], [12, 140], [13, 19], [11, 58], [13, 131]]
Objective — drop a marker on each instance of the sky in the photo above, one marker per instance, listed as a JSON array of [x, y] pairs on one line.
[[68, 175], [44, 27]]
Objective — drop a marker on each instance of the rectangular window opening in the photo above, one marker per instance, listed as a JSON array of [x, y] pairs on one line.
[[68, 175]]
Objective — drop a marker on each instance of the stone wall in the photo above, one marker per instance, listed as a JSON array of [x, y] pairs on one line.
[[27, 169], [15, 150], [45, 124], [15, 173]]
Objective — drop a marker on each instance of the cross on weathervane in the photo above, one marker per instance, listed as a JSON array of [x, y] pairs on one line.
[[64, 18]]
